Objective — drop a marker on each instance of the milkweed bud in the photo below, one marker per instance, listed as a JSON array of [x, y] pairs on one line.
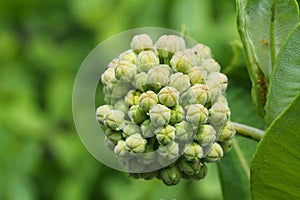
[[180, 82], [148, 130], [202, 52], [114, 119], [198, 94], [210, 65], [189, 167], [125, 71], [132, 98], [101, 111], [130, 129], [121, 105], [184, 131], [170, 176], [113, 136], [219, 113], [158, 76], [147, 100], [226, 145], [166, 135], [160, 115], [146, 60], [168, 152], [108, 76], [227, 133], [197, 75], [141, 42], [168, 96], [177, 114], [121, 151], [137, 114], [215, 154], [193, 152], [140, 82], [167, 45], [181, 62], [136, 143], [129, 56], [205, 135], [196, 114]]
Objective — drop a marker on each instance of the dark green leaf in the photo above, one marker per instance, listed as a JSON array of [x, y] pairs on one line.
[[275, 166], [285, 80]]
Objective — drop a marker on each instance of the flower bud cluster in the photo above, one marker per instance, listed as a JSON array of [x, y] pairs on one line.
[[166, 109]]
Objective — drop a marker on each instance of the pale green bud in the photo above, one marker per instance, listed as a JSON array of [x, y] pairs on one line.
[[113, 136], [166, 135], [202, 52], [121, 151], [129, 56], [147, 100], [202, 173], [114, 63], [101, 111], [219, 113], [210, 65], [193, 152], [189, 167], [160, 115], [219, 79], [181, 62], [132, 98], [158, 76], [226, 145], [184, 131], [148, 157], [206, 135], [114, 119], [170, 175], [137, 114], [146, 60], [215, 154], [108, 76], [197, 75], [199, 94], [227, 133], [167, 45], [148, 130], [116, 90], [177, 114], [168, 152], [130, 129], [140, 82], [196, 114], [168, 96], [125, 71], [136, 143], [121, 105], [141, 42], [180, 82]]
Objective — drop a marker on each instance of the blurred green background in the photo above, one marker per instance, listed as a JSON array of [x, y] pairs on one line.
[[42, 44]]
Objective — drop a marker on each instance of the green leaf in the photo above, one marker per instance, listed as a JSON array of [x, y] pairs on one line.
[[263, 27], [275, 166], [285, 80]]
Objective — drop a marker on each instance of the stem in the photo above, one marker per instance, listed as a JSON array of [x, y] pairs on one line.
[[248, 131]]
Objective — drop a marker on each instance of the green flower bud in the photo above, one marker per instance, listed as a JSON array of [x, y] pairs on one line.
[[132, 98], [147, 60], [101, 111], [114, 63], [206, 135], [125, 71], [148, 157], [114, 119], [202, 173], [215, 154], [202, 52], [184, 131], [158, 76], [219, 79], [199, 94], [180, 82], [121, 105], [168, 153], [193, 152], [210, 65], [109, 144], [197, 75], [226, 145], [166, 135], [108, 76], [149, 175], [130, 129], [141, 42], [167, 45], [168, 96], [177, 114], [121, 151], [181, 62], [219, 113], [113, 136], [160, 115], [136, 143], [147, 100], [227, 133], [137, 114], [140, 82], [148, 130], [116, 90], [189, 167], [128, 56], [196, 114], [170, 175]]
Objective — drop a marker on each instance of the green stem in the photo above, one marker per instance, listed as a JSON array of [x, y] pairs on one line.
[[248, 131]]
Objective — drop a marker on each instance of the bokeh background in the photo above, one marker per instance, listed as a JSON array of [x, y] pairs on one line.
[[42, 45]]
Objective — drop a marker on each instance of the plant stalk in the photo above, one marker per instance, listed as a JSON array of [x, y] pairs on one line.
[[248, 131]]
